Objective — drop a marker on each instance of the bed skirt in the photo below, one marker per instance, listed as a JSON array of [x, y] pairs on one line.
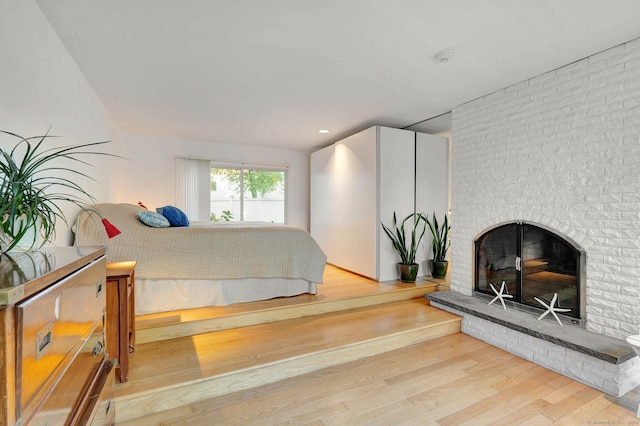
[[154, 295]]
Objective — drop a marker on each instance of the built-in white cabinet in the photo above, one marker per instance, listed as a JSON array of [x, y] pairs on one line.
[[361, 180]]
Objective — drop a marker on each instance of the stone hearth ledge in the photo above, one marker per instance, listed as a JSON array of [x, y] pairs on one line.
[[603, 362]]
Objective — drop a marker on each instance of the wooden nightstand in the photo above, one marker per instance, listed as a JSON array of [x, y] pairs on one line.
[[121, 315]]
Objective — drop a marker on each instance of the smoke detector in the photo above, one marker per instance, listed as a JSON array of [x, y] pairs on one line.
[[444, 55]]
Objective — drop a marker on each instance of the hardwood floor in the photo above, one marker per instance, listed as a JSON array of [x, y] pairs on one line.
[[453, 380], [345, 356], [212, 364], [341, 290], [338, 284]]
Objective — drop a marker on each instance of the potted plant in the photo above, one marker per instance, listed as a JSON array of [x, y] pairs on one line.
[[407, 247], [33, 186], [440, 245]]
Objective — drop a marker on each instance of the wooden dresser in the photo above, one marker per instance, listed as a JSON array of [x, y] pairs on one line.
[[53, 368], [121, 315]]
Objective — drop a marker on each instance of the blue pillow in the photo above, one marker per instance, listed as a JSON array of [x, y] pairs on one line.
[[174, 215], [153, 219]]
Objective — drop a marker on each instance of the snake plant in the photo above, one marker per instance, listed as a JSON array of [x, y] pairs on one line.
[[406, 247], [440, 234]]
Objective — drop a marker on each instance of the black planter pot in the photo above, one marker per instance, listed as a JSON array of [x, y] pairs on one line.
[[408, 272], [439, 269]]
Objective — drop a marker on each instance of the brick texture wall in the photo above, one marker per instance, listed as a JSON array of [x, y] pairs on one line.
[[613, 379], [562, 150]]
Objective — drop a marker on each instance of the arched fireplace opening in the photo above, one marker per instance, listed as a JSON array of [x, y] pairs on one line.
[[534, 263]]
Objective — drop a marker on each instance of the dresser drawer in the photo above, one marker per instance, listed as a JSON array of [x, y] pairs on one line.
[[77, 380], [101, 407], [58, 331]]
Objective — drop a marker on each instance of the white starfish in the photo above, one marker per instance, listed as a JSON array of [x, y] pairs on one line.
[[500, 295], [551, 308]]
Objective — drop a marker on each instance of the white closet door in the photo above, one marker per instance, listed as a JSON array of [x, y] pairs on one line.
[[322, 202], [355, 202], [432, 194], [361, 181], [396, 182]]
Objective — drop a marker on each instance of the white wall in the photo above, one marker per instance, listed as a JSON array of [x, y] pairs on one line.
[[563, 150], [41, 86], [148, 174]]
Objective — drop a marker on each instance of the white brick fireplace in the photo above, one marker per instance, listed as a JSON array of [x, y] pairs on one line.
[[561, 150]]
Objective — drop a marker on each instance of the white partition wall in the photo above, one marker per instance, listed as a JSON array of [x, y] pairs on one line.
[[432, 180], [322, 184], [355, 203], [362, 180], [396, 183]]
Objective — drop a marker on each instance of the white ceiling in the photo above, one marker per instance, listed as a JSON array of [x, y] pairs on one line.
[[273, 72]]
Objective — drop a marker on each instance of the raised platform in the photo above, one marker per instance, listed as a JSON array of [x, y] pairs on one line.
[[178, 372], [159, 327], [183, 357], [603, 362]]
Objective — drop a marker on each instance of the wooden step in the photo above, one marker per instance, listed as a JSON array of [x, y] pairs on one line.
[[153, 328], [177, 372]]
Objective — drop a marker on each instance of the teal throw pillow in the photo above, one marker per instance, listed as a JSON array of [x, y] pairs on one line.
[[153, 219]]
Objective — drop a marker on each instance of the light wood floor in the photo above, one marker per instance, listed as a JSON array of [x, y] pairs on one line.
[[454, 380], [338, 284], [340, 290]]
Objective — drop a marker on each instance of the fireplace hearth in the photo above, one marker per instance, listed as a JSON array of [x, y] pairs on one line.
[[603, 362]]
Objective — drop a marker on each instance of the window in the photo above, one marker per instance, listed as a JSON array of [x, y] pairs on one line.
[[248, 194]]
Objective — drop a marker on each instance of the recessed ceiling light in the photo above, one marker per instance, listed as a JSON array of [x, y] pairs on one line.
[[323, 131]]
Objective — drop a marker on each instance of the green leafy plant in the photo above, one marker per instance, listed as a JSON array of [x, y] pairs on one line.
[[33, 188], [406, 247], [440, 234], [225, 216], [256, 182]]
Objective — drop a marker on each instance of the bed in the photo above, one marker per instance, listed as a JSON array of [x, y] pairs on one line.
[[206, 264]]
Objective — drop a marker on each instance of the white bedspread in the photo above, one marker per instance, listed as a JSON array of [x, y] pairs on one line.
[[206, 251]]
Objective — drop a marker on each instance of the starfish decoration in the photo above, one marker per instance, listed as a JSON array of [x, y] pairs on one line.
[[551, 308], [500, 295]]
